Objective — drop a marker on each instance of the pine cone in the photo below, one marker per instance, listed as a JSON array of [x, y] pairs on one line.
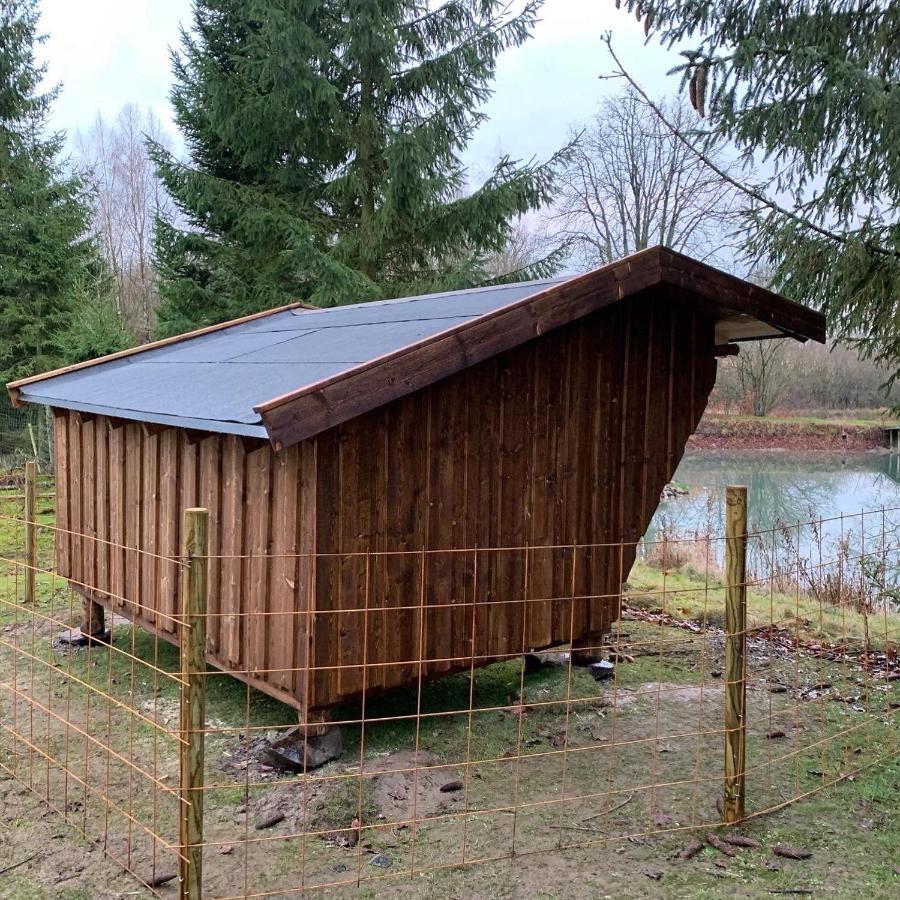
[[700, 75]]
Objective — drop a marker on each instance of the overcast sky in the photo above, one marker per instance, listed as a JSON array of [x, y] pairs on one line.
[[107, 53]]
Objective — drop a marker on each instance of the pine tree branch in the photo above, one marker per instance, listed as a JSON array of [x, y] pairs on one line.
[[741, 186], [553, 259]]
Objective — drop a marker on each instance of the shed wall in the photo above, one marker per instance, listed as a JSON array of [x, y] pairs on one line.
[[121, 490], [567, 439]]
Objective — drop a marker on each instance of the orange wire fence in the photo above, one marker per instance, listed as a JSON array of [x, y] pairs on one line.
[[513, 750]]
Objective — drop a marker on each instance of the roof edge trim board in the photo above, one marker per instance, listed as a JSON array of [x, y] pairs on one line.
[[15, 387], [301, 414], [312, 409], [791, 318]]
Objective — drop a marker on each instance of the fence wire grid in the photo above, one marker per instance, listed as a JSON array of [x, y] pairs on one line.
[[516, 750]]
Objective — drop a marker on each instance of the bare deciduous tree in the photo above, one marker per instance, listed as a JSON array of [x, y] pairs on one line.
[[527, 245], [127, 197], [629, 185], [764, 373], [808, 377]]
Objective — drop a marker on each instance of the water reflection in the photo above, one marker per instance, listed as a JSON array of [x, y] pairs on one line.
[[853, 503], [782, 488]]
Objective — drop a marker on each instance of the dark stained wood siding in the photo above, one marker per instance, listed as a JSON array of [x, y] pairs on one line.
[[416, 536], [121, 493], [566, 440]]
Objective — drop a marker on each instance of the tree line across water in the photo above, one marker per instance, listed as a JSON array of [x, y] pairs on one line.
[[323, 161]]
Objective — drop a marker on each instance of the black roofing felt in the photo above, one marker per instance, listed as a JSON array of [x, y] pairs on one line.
[[212, 381]]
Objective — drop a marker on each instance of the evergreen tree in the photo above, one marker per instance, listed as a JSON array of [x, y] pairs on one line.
[[43, 219], [98, 327], [813, 88], [325, 140]]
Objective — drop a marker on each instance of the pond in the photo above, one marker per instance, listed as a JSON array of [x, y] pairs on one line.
[[828, 512], [782, 488]]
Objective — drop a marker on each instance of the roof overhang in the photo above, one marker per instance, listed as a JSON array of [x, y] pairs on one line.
[[742, 311]]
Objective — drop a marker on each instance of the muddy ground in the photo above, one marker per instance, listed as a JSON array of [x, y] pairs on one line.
[[720, 433]]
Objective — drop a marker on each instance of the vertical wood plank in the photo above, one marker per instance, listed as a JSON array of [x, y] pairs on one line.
[[482, 415], [232, 546], [76, 525], [542, 487], [328, 542], [88, 476], [354, 524], [307, 582], [117, 479], [406, 522], [62, 541], [209, 490], [133, 494], [255, 594], [170, 514], [447, 627], [284, 600], [514, 501], [101, 489], [149, 545]]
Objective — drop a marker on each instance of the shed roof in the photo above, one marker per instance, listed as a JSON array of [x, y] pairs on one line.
[[289, 373]]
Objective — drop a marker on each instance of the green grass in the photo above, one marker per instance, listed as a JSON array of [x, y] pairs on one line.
[[699, 597], [863, 419], [515, 724]]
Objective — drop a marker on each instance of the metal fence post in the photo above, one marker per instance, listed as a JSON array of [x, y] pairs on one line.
[[735, 650], [195, 551], [30, 529]]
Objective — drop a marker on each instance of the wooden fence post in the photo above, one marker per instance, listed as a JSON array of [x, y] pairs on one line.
[[735, 647], [30, 529], [195, 551]]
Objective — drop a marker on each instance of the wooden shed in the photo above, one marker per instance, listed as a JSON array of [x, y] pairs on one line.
[[532, 415]]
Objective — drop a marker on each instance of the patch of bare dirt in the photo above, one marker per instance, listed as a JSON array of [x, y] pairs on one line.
[[395, 789], [40, 856]]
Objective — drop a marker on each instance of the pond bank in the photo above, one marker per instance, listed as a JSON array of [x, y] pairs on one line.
[[719, 432]]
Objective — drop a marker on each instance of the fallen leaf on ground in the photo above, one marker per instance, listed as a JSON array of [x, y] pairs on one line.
[[269, 820], [719, 845], [690, 850], [741, 840]]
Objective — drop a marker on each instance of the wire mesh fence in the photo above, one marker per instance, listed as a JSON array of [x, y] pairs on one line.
[[450, 744], [25, 433]]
